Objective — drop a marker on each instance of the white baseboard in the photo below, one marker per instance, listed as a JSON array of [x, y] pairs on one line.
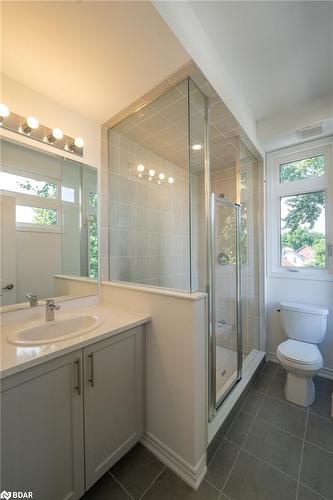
[[191, 475], [324, 372]]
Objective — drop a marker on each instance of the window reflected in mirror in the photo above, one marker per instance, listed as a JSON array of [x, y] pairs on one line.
[[48, 225]]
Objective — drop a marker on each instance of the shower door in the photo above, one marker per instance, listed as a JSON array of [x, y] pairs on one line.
[[225, 332]]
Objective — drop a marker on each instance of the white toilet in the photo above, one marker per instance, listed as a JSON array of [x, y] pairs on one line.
[[305, 326]]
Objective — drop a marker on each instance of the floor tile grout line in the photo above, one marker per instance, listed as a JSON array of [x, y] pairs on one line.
[[319, 447], [302, 452], [286, 402], [245, 438], [271, 465], [320, 416], [279, 428], [313, 491], [277, 468], [237, 413], [121, 485], [151, 484], [212, 485]]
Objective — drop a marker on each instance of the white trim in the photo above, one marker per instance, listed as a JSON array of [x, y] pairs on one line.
[[324, 372], [156, 290], [275, 190], [192, 475], [250, 366], [75, 278]]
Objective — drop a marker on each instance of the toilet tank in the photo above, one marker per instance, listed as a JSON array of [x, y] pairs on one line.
[[304, 322]]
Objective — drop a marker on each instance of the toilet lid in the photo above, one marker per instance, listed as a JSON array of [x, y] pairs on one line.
[[300, 352]]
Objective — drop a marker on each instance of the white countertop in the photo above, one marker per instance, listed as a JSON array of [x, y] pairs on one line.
[[17, 358]]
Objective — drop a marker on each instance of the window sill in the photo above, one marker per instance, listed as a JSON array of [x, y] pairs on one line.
[[325, 276]]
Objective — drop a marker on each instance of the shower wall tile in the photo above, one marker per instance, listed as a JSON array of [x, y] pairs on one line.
[[149, 228]]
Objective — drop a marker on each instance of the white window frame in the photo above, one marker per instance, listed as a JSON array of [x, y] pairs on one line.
[[275, 190], [32, 200]]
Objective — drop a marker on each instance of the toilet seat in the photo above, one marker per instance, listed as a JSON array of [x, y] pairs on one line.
[[300, 353]]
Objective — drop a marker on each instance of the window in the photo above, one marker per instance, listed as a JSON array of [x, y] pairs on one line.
[[37, 200], [306, 168], [300, 209], [36, 215], [303, 231], [19, 184], [93, 199]]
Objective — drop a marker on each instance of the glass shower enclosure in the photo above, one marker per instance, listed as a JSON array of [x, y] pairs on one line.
[[182, 216], [225, 326]]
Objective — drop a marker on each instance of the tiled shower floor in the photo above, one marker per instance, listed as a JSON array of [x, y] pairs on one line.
[[273, 450]]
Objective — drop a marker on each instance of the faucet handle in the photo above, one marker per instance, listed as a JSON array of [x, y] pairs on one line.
[[50, 303], [33, 299]]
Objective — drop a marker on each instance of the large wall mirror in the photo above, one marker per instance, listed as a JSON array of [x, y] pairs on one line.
[[48, 227]]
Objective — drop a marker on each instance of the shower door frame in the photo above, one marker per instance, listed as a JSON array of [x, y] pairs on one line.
[[214, 404]]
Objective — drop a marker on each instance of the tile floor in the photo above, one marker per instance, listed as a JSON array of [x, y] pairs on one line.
[[273, 450]]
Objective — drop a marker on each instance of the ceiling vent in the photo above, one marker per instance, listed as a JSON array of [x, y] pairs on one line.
[[311, 131]]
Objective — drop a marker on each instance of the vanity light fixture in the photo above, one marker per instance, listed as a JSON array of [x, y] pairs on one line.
[[196, 147], [78, 143], [4, 112], [30, 127], [56, 135], [151, 173], [30, 124]]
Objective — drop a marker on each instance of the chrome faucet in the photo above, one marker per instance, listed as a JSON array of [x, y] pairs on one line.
[[33, 299], [51, 306]]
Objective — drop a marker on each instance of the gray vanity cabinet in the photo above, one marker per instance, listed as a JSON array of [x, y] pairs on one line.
[[42, 430], [113, 409], [67, 421]]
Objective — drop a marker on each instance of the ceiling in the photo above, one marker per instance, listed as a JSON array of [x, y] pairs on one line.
[[166, 128], [92, 57], [279, 53]]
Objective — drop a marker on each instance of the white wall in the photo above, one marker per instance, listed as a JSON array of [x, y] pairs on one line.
[[187, 27], [25, 101], [282, 130], [286, 286], [307, 291], [176, 387]]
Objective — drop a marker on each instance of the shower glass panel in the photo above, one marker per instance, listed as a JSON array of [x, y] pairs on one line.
[[225, 283], [149, 194], [250, 237], [198, 177]]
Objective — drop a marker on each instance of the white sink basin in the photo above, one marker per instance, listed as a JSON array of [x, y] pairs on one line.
[[54, 331]]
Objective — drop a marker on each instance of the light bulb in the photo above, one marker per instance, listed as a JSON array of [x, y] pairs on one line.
[[196, 147], [4, 111], [151, 172], [171, 180], [57, 133], [140, 168], [78, 142], [32, 122], [161, 176]]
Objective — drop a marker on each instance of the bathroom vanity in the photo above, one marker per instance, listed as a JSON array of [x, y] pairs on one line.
[[70, 411]]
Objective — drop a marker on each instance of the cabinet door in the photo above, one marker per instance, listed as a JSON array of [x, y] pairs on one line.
[[113, 406], [42, 430]]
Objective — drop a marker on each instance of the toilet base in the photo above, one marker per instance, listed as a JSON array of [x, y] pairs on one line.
[[299, 390]]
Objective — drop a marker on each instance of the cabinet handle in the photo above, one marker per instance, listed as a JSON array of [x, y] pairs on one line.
[[78, 376], [91, 379]]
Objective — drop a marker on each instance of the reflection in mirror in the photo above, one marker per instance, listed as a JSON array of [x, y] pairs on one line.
[[48, 226]]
